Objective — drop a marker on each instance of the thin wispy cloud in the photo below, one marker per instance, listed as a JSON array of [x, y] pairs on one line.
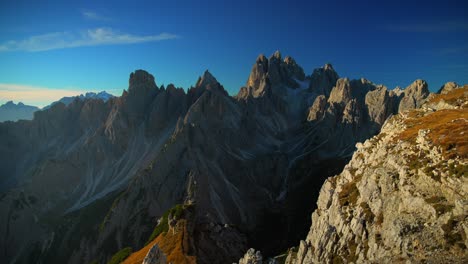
[[90, 37], [91, 15], [454, 50], [433, 27], [40, 96]]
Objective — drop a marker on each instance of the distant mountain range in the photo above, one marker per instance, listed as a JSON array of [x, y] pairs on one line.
[[90, 95], [13, 112]]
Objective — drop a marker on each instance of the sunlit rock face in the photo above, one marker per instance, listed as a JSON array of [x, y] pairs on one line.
[[448, 87], [402, 196], [414, 95]]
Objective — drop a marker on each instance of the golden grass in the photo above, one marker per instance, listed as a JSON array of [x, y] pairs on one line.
[[175, 246], [448, 129], [137, 257], [452, 97]]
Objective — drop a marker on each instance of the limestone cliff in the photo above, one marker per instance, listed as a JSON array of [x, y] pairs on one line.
[[402, 197]]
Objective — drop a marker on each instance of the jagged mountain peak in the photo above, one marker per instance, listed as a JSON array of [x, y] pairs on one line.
[[207, 79], [141, 80], [448, 87], [414, 95], [323, 79], [262, 58], [276, 55], [289, 60], [418, 84], [206, 82], [328, 67], [258, 72]]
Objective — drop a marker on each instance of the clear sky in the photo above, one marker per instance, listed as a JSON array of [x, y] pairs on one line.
[[53, 48]]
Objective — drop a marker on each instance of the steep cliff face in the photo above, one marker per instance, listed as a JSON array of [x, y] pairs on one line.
[[403, 195]]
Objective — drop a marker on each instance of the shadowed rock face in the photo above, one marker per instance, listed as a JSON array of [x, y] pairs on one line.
[[93, 177], [323, 80]]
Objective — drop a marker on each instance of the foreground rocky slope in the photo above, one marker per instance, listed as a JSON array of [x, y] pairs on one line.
[[403, 195], [87, 181]]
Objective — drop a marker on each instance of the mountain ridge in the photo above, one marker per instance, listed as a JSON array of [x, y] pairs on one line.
[[13, 112]]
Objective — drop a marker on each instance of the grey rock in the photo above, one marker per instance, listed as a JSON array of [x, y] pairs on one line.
[[323, 80], [448, 87], [414, 95], [252, 257], [155, 256], [317, 110], [394, 201]]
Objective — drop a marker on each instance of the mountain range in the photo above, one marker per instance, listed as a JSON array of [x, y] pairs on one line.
[[103, 95], [14, 112], [197, 175]]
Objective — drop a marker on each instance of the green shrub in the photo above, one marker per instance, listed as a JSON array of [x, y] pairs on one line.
[[163, 225], [120, 256], [349, 194], [177, 211], [458, 170]]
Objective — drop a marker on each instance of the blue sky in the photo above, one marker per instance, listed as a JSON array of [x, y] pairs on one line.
[[53, 48]]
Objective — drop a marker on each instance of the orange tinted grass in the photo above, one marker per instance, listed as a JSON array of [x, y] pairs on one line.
[[448, 129], [175, 246], [139, 256], [453, 96]]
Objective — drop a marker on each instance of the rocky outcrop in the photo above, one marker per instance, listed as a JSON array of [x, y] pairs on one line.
[[206, 82], [258, 72], [255, 257], [275, 74], [380, 104], [414, 95], [401, 198], [448, 87], [317, 110], [355, 110], [155, 256], [252, 257], [323, 80]]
